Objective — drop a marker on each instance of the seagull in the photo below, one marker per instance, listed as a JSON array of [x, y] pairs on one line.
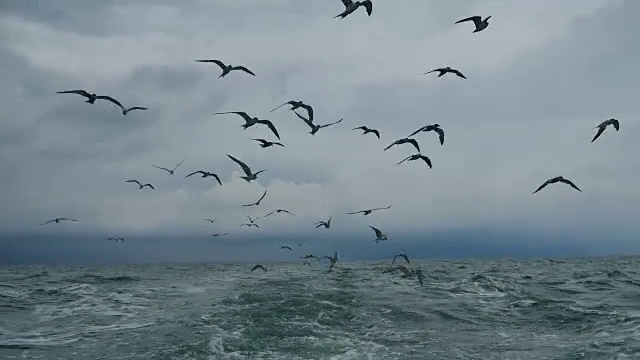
[[286, 247], [265, 143], [368, 130], [402, 255], [379, 235], [277, 211], [215, 235], [57, 220], [416, 157], [170, 171], [91, 98], [414, 142], [298, 104], [258, 267], [314, 127], [477, 21], [210, 220], [310, 257], [253, 220], [250, 176], [249, 121], [250, 225], [206, 174], [333, 259], [257, 202], [434, 127], [445, 70], [227, 68], [555, 180], [125, 111], [368, 211], [603, 125], [116, 239], [326, 224], [141, 186], [351, 6]]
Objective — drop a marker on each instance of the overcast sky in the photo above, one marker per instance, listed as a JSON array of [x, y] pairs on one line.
[[540, 78]]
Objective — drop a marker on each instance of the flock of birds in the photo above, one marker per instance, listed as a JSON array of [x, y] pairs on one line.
[[251, 175]]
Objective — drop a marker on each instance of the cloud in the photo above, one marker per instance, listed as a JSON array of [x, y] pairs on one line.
[[541, 77]]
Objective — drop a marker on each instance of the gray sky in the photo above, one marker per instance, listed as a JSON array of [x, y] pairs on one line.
[[540, 78]]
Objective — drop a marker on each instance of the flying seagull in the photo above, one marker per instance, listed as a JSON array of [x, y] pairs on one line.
[[379, 235], [333, 259], [253, 220], [286, 247], [206, 174], [216, 235], [310, 257], [257, 202], [116, 239], [603, 125], [433, 127], [351, 6], [417, 157], [368, 130], [58, 220], [170, 171], [413, 142], [368, 211], [477, 21], [265, 143], [125, 111], [250, 121], [250, 225], [140, 186], [314, 127], [555, 180], [278, 211], [298, 104], [91, 98], [445, 70], [258, 267], [401, 255], [210, 220], [326, 224], [250, 176], [227, 68]]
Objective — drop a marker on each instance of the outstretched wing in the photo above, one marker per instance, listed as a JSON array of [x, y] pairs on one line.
[[195, 172], [476, 20], [109, 98], [543, 186], [457, 72], [244, 115], [356, 212], [217, 178], [271, 126], [429, 72], [78, 92], [244, 166], [382, 208], [283, 210], [290, 102], [307, 121], [368, 5], [414, 142], [426, 160], [378, 232], [134, 181], [616, 124], [330, 124], [180, 163], [405, 159], [137, 108], [243, 69], [263, 195], [600, 131], [440, 135], [375, 132], [149, 185], [570, 183], [309, 110], [346, 3], [217, 62], [161, 168], [45, 223], [286, 247]]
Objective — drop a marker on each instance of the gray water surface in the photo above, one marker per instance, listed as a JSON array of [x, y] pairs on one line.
[[542, 309]]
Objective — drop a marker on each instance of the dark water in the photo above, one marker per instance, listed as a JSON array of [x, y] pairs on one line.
[[574, 309]]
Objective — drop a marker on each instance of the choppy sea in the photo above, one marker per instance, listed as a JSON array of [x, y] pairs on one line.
[[506, 309]]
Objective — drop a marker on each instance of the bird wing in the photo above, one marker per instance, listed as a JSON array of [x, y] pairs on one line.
[[376, 132], [161, 168], [405, 159], [286, 247], [392, 144], [356, 212], [427, 160], [180, 163], [244, 166], [543, 185], [378, 232], [457, 72], [307, 121], [414, 142], [406, 258], [381, 208], [109, 98], [333, 123], [570, 183], [217, 62], [309, 110], [261, 140], [244, 115], [271, 126], [137, 108], [440, 135], [476, 20], [368, 5], [243, 69], [217, 178], [417, 131], [363, 128], [66, 219], [263, 195], [600, 131], [271, 213], [149, 185], [287, 212], [78, 92], [134, 181], [45, 223], [346, 3], [616, 124], [255, 267], [288, 102], [195, 172], [429, 72]]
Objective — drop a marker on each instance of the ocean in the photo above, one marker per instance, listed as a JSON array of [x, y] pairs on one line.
[[502, 309]]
